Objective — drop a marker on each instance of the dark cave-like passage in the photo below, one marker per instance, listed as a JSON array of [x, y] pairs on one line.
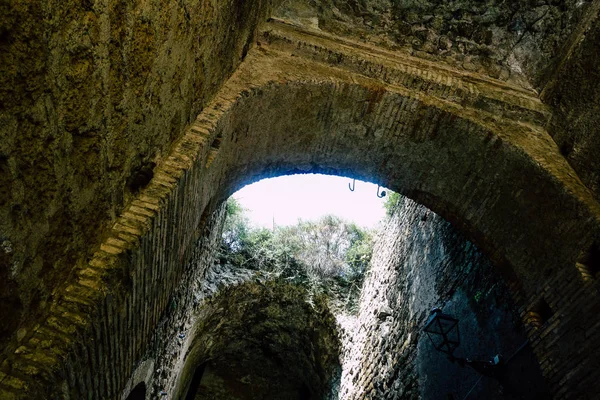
[[262, 341]]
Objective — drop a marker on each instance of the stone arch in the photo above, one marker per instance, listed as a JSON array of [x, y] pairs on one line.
[[261, 339], [137, 387], [468, 147], [502, 182], [138, 392]]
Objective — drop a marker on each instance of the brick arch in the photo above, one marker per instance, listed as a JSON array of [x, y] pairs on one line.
[[290, 342], [503, 183], [470, 148]]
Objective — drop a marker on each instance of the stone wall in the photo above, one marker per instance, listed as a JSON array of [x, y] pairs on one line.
[[573, 91], [118, 300], [412, 125], [419, 262], [261, 340], [510, 40], [92, 95]]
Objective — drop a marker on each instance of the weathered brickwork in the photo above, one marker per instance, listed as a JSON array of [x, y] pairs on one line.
[[167, 339], [563, 339], [92, 95], [438, 80], [509, 40], [573, 91], [264, 340], [119, 298], [169, 347], [421, 262], [110, 339], [468, 147]]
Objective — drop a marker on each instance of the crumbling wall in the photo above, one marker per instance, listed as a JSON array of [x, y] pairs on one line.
[[419, 262], [505, 39], [92, 95], [573, 91], [199, 280], [263, 340]]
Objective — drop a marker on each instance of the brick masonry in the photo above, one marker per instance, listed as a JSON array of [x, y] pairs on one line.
[[421, 262], [464, 145], [263, 340], [94, 93]]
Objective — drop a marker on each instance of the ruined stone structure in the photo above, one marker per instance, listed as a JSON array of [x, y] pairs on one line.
[[125, 125], [421, 262]]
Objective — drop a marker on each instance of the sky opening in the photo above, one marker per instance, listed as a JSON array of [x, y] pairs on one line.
[[286, 199]]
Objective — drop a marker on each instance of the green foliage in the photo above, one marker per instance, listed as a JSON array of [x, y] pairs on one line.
[[233, 207], [330, 255], [237, 226], [391, 203]]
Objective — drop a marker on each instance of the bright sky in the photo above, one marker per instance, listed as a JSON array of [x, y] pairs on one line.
[[308, 197]]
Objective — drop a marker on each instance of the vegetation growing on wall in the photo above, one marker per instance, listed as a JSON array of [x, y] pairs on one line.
[[391, 203], [330, 256]]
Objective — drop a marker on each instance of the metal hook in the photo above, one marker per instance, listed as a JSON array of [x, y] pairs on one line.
[[382, 192], [351, 187]]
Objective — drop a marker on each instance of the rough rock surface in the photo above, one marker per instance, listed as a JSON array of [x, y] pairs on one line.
[[573, 91], [60, 181], [262, 340], [419, 262], [502, 38], [92, 94]]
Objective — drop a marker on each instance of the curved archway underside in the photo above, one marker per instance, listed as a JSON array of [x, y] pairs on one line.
[[469, 148], [472, 149], [267, 335]]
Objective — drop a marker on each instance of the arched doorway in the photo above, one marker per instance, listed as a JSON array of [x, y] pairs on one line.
[[138, 392]]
